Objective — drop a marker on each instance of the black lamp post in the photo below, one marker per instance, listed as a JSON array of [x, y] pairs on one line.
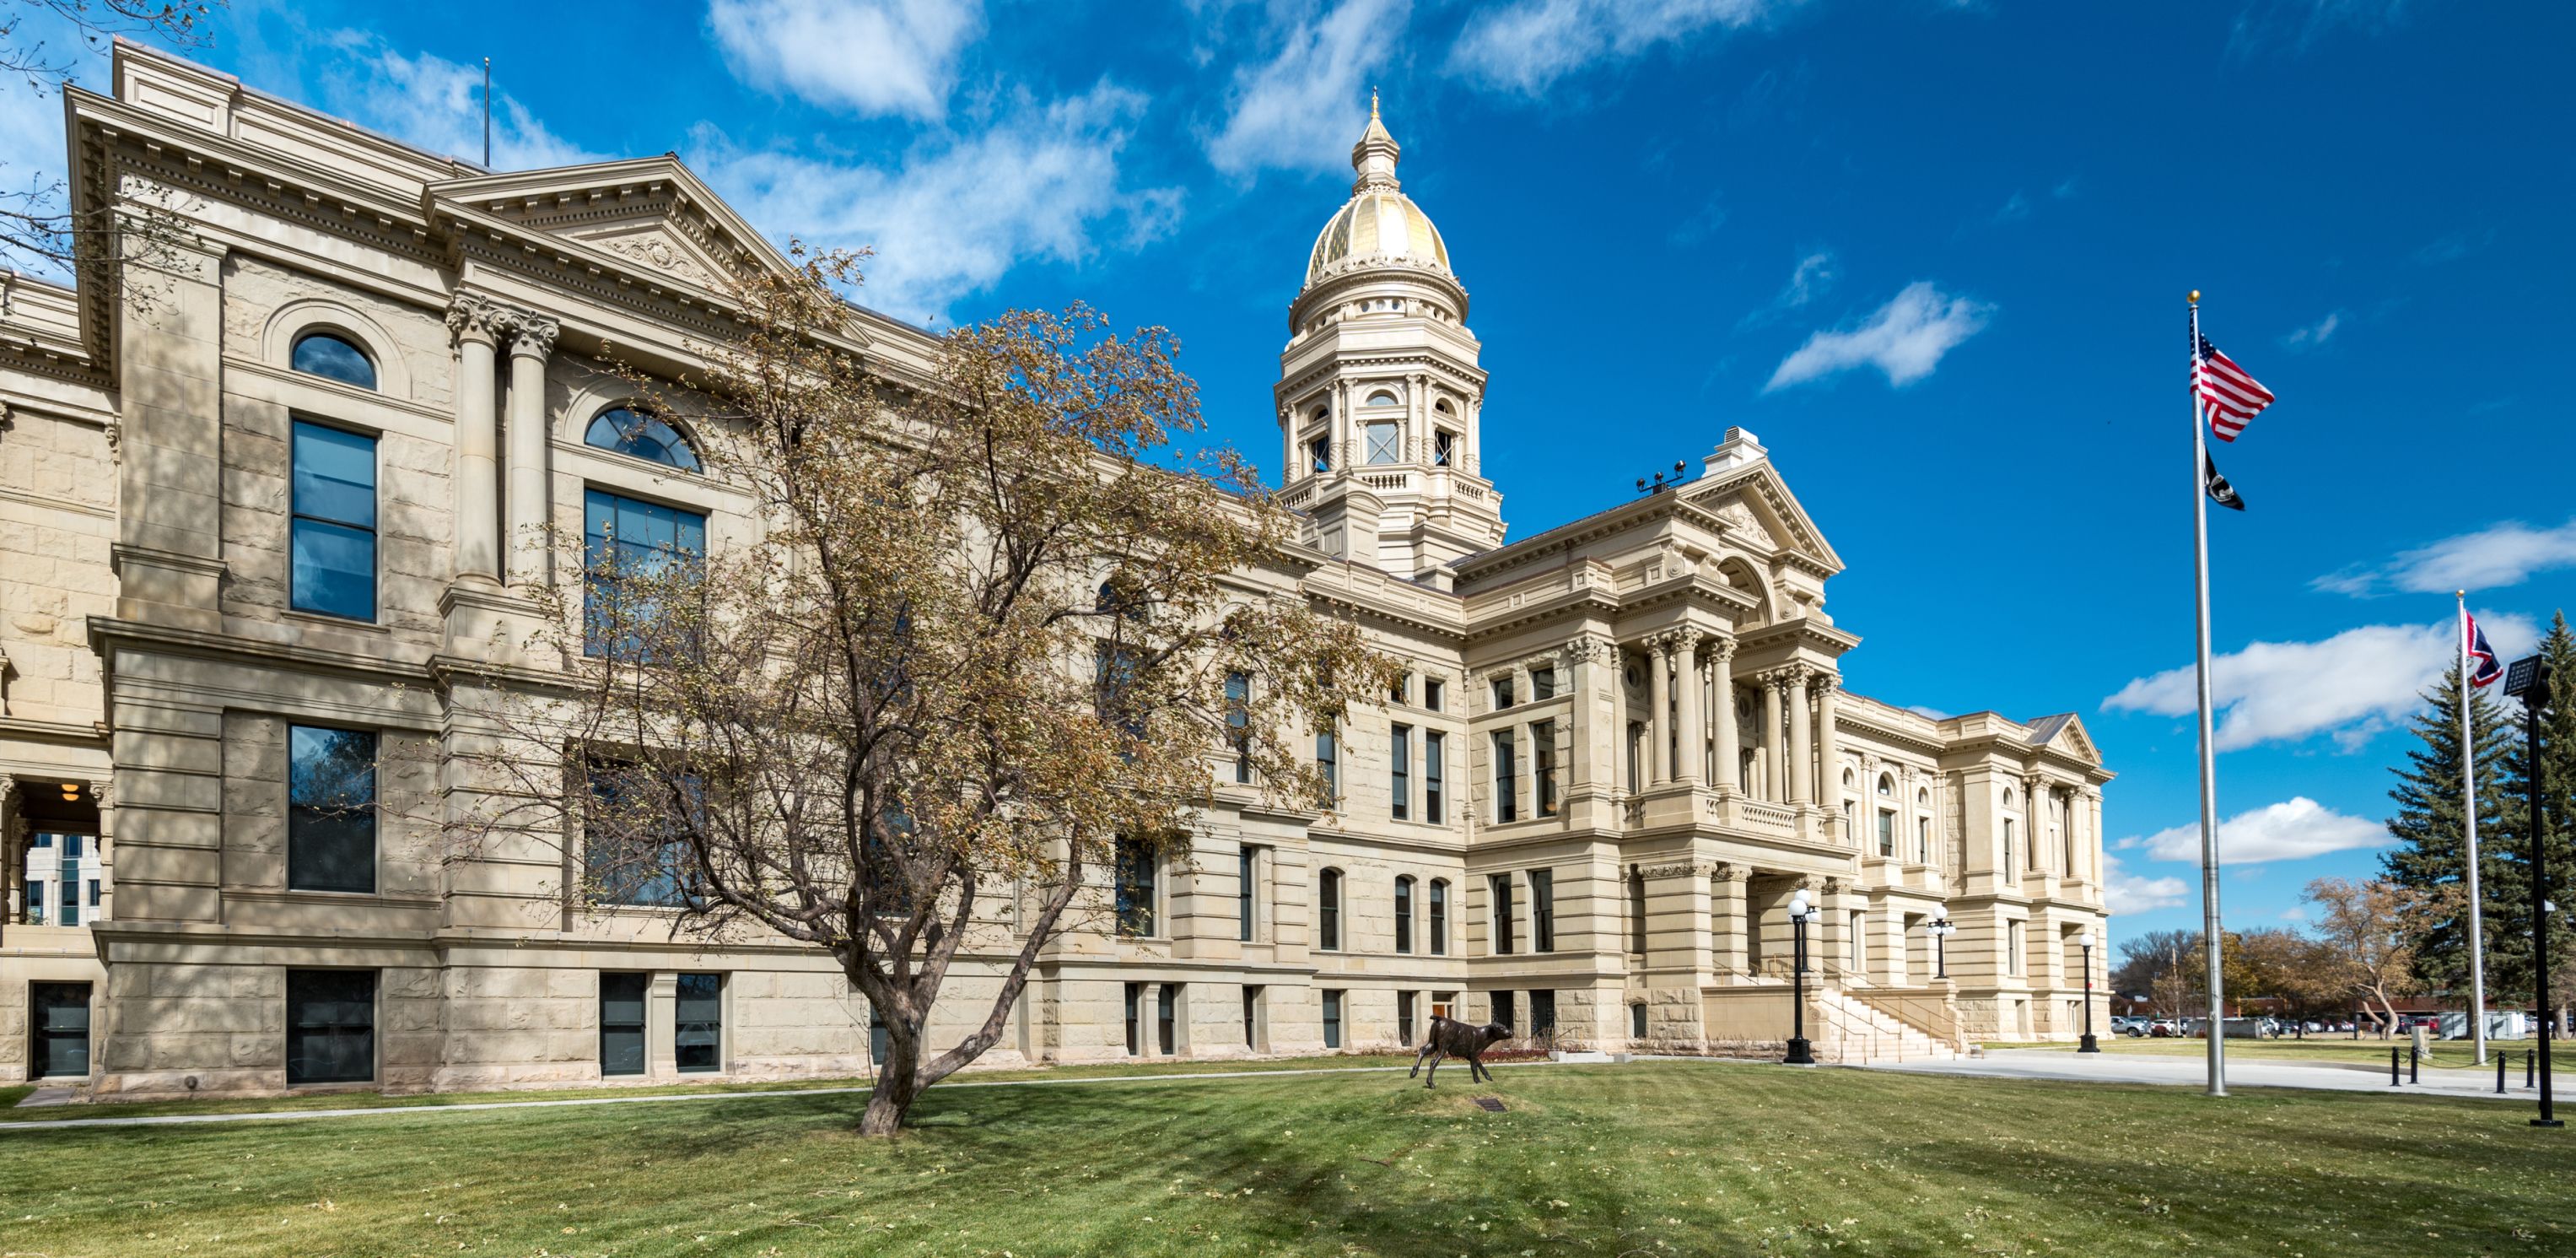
[[2089, 1044], [2528, 680], [1800, 913], [1941, 928]]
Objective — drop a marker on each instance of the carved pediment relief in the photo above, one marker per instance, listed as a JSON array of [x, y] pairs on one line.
[[658, 246], [1747, 526]]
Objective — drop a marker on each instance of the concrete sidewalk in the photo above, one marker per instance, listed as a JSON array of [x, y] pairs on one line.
[[2194, 1072]]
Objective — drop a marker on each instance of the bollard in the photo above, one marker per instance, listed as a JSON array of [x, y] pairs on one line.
[[2414, 1066], [2392, 1066], [2499, 1074], [2526, 1067]]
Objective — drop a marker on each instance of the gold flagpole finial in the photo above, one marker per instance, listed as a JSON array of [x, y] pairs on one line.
[[1373, 103], [2195, 296]]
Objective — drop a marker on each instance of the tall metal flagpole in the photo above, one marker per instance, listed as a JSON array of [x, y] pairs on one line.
[[2469, 797], [2208, 753]]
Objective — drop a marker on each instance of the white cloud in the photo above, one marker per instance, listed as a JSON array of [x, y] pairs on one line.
[[1810, 279], [2491, 558], [1295, 111], [2315, 334], [2014, 209], [436, 104], [2126, 892], [2453, 246], [2295, 913], [1527, 45], [871, 57], [2350, 686], [1905, 339], [947, 221], [2289, 830]]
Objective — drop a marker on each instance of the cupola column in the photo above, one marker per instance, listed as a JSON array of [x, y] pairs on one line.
[[1721, 697]]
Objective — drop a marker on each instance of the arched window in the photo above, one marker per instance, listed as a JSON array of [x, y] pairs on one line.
[[1383, 397], [2007, 797], [1404, 914], [1328, 912], [1887, 786], [1439, 923], [644, 436], [333, 357]]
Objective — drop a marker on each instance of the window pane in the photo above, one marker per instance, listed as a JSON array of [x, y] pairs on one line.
[[322, 354], [330, 1026], [334, 475], [331, 809], [335, 570], [698, 1030], [625, 537], [621, 1024], [643, 436], [1384, 446]]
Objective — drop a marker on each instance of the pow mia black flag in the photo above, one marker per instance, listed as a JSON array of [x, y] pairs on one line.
[[2220, 491]]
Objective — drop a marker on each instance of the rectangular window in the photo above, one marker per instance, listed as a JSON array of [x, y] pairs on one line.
[[1404, 1019], [1542, 885], [1328, 912], [1136, 889], [1637, 913], [1435, 749], [36, 902], [1252, 1018], [2012, 947], [93, 893], [1504, 927], [1852, 941], [1319, 454], [697, 1029], [621, 1023], [330, 809], [1502, 692], [1439, 919], [1135, 1020], [333, 530], [1542, 1013], [330, 1026], [1166, 1003], [1238, 724], [71, 902], [880, 1044], [1404, 915], [1507, 779], [1332, 1019], [1923, 844], [1432, 693], [1399, 750], [1542, 683], [2012, 870], [1385, 443], [1328, 763], [1402, 689], [1543, 766], [1444, 447], [1247, 864], [1887, 834], [1503, 1011], [629, 548], [635, 850], [1115, 695]]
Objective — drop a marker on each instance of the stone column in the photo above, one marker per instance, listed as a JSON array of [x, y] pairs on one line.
[[1802, 742], [1721, 696], [2034, 812], [476, 324], [13, 857], [1775, 779], [1829, 751], [529, 348], [1694, 745], [1659, 717], [1727, 920], [102, 794]]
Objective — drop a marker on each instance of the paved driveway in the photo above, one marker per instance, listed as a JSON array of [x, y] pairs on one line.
[[2194, 1072]]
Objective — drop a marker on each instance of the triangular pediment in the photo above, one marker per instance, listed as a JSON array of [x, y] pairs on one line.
[[2066, 733], [1761, 513], [650, 213]]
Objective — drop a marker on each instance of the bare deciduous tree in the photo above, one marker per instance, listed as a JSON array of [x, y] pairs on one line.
[[2371, 928], [991, 639], [38, 230]]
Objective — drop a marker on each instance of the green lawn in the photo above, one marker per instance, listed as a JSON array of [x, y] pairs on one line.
[[1649, 1159], [431, 1100]]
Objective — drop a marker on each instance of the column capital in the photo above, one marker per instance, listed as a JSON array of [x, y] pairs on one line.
[[103, 792], [475, 319], [1725, 871], [534, 334], [1720, 647], [1820, 682], [1658, 645], [1587, 648], [1798, 675]]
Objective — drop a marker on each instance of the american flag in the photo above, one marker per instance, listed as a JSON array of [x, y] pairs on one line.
[[2231, 396]]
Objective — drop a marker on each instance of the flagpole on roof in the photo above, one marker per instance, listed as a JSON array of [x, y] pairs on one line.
[[2469, 799], [2210, 937]]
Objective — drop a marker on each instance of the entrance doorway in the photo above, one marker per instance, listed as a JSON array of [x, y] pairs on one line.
[[60, 1016]]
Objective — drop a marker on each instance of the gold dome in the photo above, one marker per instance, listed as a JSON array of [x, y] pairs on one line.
[[1378, 227]]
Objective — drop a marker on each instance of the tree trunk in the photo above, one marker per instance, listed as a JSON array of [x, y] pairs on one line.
[[898, 1085]]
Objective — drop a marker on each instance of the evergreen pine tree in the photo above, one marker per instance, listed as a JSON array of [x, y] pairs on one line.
[[2431, 851], [2509, 951]]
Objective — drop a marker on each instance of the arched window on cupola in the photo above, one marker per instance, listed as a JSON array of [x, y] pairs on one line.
[[1444, 434], [1384, 397]]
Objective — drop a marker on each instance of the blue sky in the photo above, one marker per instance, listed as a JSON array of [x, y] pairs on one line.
[[1933, 253]]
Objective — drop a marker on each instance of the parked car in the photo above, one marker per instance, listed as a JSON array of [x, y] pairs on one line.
[[2165, 1028]]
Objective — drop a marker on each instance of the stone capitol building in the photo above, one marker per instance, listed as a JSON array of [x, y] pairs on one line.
[[256, 528]]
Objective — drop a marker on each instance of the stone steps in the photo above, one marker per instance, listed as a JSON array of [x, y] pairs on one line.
[[1859, 1034]]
